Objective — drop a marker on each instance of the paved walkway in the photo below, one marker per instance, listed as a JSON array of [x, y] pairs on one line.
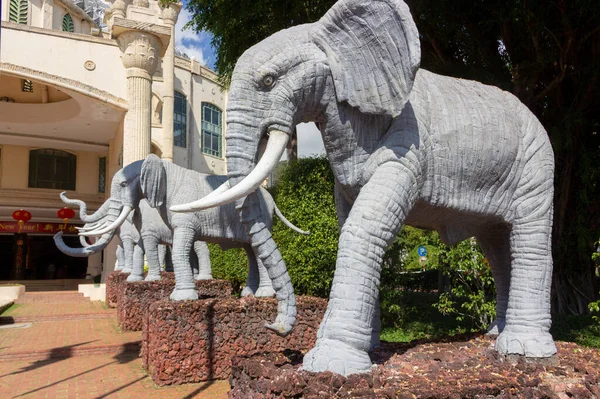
[[73, 348]]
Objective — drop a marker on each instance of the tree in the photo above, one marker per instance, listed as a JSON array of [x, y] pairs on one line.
[[547, 53]]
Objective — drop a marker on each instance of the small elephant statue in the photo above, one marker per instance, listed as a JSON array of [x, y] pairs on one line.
[[406, 146], [144, 233], [162, 184]]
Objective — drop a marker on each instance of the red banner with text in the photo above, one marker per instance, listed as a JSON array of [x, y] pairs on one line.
[[38, 228]]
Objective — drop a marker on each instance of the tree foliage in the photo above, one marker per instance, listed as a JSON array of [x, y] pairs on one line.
[[304, 193]]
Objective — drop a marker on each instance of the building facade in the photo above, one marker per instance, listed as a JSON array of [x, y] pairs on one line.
[[84, 91]]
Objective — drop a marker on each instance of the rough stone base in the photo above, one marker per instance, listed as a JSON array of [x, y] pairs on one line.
[[113, 282], [193, 341], [463, 368], [133, 298]]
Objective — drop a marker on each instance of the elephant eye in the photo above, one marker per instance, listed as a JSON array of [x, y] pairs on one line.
[[268, 80], [124, 183]]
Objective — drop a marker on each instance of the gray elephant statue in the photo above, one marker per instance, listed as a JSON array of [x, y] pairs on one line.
[[163, 184], [406, 146], [143, 233]]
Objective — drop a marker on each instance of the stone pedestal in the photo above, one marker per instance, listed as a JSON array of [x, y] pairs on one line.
[[134, 298], [113, 283], [193, 341], [456, 367]]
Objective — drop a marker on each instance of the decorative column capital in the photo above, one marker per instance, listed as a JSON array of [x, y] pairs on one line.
[[118, 8], [170, 13], [140, 52]]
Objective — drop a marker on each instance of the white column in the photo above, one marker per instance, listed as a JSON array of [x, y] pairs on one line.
[[140, 57], [169, 15]]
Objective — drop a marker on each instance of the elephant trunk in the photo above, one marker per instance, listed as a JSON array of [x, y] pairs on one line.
[[96, 216], [112, 217], [85, 251]]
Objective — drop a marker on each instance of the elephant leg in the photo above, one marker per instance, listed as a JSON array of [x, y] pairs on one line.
[[265, 286], [185, 288], [344, 337], [128, 250], [152, 254], [137, 270], [495, 244], [162, 256], [203, 254], [253, 279], [120, 258], [528, 320]]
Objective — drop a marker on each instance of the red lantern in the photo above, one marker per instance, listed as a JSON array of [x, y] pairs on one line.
[[21, 216], [65, 214]]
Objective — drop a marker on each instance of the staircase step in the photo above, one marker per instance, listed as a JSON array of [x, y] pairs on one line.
[[58, 317], [51, 297]]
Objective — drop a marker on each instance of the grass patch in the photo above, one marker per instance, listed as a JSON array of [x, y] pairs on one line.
[[583, 330], [11, 310]]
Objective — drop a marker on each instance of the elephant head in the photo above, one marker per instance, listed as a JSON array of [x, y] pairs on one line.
[[126, 193], [353, 57]]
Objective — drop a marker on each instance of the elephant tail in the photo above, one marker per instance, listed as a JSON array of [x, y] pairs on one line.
[[287, 222]]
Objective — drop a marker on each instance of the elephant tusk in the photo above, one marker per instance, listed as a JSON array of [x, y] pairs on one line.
[[113, 226], [276, 145], [92, 226]]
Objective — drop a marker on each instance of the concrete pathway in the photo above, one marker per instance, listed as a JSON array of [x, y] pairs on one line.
[[74, 349]]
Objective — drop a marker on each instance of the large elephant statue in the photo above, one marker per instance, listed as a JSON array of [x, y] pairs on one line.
[[406, 146], [145, 232], [163, 184]]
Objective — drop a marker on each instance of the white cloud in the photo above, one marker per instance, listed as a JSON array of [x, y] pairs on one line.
[[194, 44]]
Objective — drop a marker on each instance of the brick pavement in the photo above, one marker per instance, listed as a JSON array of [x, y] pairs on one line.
[[59, 358]]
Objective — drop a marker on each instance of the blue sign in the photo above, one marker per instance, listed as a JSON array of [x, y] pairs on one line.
[[422, 251]]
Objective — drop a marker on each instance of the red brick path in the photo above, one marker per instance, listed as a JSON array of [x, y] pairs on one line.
[[74, 349]]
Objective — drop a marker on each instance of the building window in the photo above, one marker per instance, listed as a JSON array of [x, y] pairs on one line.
[[18, 11], [211, 129], [102, 174], [50, 168], [180, 120], [26, 86], [67, 23]]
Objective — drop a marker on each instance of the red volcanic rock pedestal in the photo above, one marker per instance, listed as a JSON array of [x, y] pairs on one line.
[[193, 341], [113, 283], [134, 298], [463, 368]]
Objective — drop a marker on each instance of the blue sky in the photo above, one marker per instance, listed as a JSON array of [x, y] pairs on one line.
[[197, 45], [194, 44]]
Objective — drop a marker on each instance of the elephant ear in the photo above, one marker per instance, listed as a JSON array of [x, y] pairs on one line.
[[153, 181], [374, 53]]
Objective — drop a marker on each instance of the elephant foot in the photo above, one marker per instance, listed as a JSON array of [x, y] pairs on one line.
[[152, 277], [125, 270], [530, 344], [337, 357], [247, 291], [265, 292], [204, 277], [496, 327], [134, 277], [188, 294]]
